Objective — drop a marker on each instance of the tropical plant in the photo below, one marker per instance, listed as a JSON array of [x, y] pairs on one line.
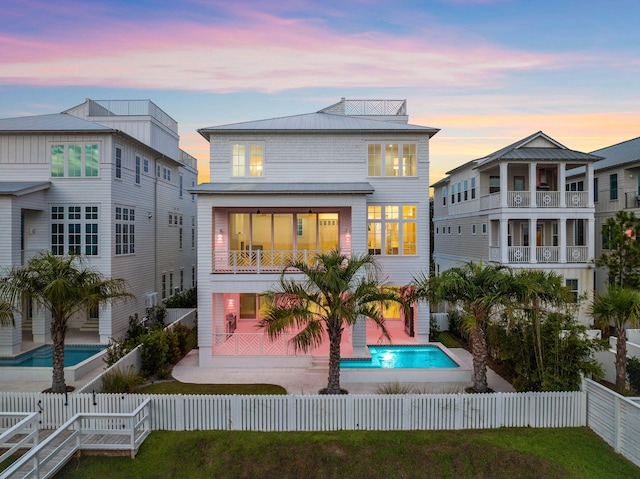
[[333, 293], [121, 381], [64, 286], [481, 292], [620, 237], [536, 294], [633, 373], [620, 306]]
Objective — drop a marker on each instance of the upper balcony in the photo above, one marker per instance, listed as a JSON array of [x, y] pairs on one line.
[[259, 261], [537, 199]]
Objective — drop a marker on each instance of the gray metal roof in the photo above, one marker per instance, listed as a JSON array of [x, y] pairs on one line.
[[321, 122], [19, 188], [547, 154], [618, 154], [283, 188], [52, 122]]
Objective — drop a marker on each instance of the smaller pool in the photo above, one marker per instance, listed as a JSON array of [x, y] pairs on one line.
[[43, 356], [403, 357]]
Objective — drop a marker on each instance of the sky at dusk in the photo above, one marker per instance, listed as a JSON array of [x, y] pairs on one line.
[[486, 72]]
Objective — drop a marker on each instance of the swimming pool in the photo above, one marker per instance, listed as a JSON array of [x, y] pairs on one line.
[[401, 357], [42, 357]]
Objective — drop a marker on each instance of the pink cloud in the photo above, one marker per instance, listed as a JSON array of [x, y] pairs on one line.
[[265, 53]]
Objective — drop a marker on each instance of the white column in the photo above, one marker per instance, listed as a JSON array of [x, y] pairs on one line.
[[591, 239], [11, 337], [359, 337], [562, 185], [532, 184], [504, 241], [590, 186], [563, 240], [503, 184], [41, 324], [533, 237], [421, 319]]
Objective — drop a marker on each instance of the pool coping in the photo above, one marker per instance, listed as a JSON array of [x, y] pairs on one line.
[[44, 373]]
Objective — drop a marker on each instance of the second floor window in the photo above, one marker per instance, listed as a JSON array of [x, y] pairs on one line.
[[74, 230], [247, 159], [138, 170], [118, 162], [392, 229], [391, 159], [74, 161], [613, 187], [125, 230]]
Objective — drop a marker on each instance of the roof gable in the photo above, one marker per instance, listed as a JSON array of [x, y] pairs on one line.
[[52, 122]]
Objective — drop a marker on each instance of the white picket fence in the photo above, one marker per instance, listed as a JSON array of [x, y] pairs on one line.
[[316, 412]]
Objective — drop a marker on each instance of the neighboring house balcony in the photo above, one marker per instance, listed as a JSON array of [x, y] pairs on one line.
[[536, 199], [545, 241], [515, 185]]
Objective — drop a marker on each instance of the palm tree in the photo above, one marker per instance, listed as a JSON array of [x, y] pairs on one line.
[[481, 291], [332, 295], [620, 306], [64, 286]]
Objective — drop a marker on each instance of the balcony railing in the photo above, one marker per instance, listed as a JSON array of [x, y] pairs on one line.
[[544, 254], [259, 261], [544, 199]]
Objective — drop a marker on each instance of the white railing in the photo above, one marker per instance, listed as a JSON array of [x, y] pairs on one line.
[[20, 431], [577, 199], [519, 254], [254, 344], [614, 418], [490, 201], [548, 254], [547, 199], [101, 431], [260, 261], [577, 254], [518, 199]]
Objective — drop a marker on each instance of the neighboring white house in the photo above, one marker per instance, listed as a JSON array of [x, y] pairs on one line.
[[105, 179], [516, 207], [353, 176], [616, 186]]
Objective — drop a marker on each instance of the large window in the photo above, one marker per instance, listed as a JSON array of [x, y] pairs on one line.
[[74, 161], [392, 229], [125, 230], [391, 159], [247, 159], [283, 232], [74, 230]]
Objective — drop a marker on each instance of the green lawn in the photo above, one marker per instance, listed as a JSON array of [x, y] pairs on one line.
[[175, 387], [500, 453], [448, 340]]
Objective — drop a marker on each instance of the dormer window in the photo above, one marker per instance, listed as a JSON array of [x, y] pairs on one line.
[[247, 159]]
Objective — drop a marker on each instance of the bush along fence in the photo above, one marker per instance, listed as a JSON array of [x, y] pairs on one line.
[[132, 362]]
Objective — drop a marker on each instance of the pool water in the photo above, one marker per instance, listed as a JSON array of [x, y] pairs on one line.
[[402, 357], [42, 357]]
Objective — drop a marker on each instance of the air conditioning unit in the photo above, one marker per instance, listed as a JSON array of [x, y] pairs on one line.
[[151, 300]]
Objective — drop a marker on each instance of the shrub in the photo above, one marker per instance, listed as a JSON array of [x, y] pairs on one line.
[[394, 388], [154, 350], [116, 350], [633, 374], [182, 333], [119, 381], [156, 316], [136, 330], [434, 329], [184, 299], [456, 324]]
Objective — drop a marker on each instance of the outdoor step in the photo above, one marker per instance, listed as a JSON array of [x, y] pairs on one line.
[[319, 363], [90, 325]]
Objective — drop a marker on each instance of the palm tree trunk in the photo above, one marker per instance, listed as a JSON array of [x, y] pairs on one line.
[[621, 360], [479, 353], [333, 386], [57, 335]]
